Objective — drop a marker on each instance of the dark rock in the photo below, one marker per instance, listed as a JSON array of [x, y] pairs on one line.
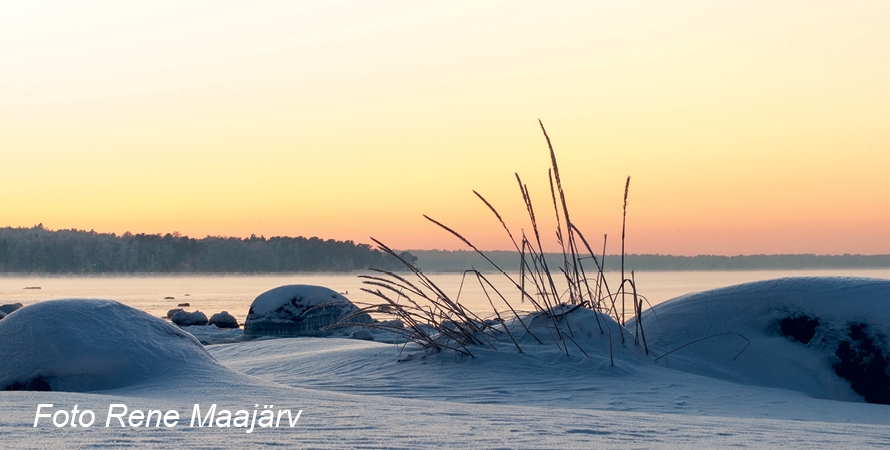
[[10, 307], [187, 319], [224, 320], [183, 304], [172, 312], [37, 384], [862, 361], [801, 328]]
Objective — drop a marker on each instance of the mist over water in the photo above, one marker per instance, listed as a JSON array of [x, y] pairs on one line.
[[234, 293]]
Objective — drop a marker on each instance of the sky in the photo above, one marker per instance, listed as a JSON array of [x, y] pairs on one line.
[[754, 127]]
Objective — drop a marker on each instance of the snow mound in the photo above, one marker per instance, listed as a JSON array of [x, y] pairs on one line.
[[298, 310], [575, 330], [88, 345], [564, 334], [825, 336]]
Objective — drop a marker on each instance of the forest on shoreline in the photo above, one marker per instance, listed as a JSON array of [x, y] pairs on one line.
[[39, 250], [42, 251]]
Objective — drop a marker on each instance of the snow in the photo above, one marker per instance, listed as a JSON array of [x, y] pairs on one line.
[[91, 345], [357, 393], [736, 332], [298, 310]]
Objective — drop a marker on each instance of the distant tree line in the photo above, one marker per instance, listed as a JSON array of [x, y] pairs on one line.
[[39, 250], [459, 260]]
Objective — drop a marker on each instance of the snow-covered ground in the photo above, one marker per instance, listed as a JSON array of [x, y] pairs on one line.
[[774, 392]]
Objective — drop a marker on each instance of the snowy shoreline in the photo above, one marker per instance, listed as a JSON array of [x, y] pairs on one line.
[[357, 394]]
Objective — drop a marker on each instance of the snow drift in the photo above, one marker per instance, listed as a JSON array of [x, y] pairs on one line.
[[88, 345], [825, 336]]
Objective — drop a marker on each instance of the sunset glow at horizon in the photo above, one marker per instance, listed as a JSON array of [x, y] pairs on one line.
[[746, 128]]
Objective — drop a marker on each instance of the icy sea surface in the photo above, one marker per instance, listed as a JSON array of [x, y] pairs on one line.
[[156, 294]]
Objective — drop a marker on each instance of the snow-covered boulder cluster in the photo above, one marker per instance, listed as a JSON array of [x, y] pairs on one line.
[[88, 345], [826, 336], [298, 310], [184, 318]]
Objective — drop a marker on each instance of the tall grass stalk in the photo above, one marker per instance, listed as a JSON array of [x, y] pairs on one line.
[[431, 318]]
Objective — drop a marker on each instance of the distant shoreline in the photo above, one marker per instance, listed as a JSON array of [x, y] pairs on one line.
[[450, 261], [459, 260]]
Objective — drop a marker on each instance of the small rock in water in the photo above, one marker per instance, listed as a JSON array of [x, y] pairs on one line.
[[186, 319], [223, 320], [32, 287], [10, 307], [169, 298], [183, 304]]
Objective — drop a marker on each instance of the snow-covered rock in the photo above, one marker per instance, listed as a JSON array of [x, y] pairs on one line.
[[88, 345], [298, 310], [224, 320], [173, 311], [363, 334], [186, 319], [792, 333]]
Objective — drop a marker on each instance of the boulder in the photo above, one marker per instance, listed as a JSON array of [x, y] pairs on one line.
[[187, 319], [224, 320], [10, 307], [299, 310], [172, 312]]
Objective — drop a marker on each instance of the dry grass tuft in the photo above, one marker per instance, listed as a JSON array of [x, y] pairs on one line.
[[437, 322]]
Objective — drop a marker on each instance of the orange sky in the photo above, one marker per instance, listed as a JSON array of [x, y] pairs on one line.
[[748, 127]]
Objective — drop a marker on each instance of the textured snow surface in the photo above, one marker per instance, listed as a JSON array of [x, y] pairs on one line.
[[371, 394]]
